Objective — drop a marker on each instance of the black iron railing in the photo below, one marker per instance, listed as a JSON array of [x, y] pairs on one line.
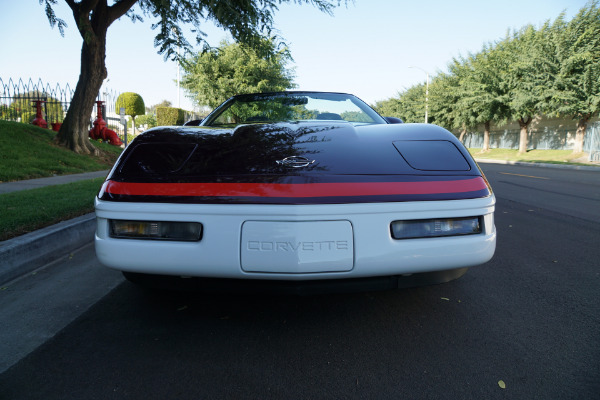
[[18, 98]]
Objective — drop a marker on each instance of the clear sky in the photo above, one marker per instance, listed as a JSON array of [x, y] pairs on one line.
[[364, 48]]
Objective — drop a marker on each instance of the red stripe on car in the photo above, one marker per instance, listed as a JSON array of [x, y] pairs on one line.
[[294, 190]]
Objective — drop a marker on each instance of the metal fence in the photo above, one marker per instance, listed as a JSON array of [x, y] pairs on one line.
[[17, 102]]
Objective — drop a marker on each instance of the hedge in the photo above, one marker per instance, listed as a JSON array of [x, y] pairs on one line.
[[166, 116]]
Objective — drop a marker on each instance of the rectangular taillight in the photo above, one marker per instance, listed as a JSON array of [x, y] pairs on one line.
[[156, 230]]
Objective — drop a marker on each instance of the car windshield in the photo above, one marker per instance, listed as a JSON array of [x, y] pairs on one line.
[[293, 107]]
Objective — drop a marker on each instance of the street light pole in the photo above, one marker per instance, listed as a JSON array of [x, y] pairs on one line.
[[176, 32], [426, 91], [178, 77]]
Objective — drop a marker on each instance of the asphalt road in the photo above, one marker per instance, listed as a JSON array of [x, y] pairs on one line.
[[566, 192], [529, 318]]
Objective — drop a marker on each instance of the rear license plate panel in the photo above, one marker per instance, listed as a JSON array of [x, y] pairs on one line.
[[297, 247]]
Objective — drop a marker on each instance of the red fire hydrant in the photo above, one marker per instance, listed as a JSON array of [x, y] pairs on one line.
[[100, 131], [99, 123], [39, 119]]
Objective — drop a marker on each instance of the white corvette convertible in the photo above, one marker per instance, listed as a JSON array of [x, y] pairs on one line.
[[295, 190]]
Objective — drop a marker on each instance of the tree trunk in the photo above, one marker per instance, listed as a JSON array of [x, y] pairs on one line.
[[74, 131], [486, 137], [93, 19], [523, 136], [463, 133], [580, 134]]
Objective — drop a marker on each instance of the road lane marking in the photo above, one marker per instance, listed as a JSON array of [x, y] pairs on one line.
[[526, 176]]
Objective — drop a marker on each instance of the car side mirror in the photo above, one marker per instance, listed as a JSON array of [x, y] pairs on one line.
[[393, 120]]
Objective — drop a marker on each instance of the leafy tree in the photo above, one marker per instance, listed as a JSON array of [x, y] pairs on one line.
[[570, 62], [446, 93], [413, 104], [152, 109], [214, 76], [246, 20], [481, 92], [553, 70], [519, 76], [391, 107], [133, 105], [409, 105]]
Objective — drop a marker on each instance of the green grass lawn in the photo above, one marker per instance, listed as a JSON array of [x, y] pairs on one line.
[[29, 210], [535, 156], [27, 152]]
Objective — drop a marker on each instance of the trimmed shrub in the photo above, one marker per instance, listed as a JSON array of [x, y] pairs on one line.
[[166, 116], [132, 103]]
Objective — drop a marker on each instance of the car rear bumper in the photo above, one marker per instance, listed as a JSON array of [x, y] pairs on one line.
[[222, 252]]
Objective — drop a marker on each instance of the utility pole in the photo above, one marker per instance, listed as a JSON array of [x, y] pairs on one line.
[[426, 92]]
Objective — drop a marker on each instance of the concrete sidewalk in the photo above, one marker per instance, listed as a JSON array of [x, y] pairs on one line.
[[7, 187]]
